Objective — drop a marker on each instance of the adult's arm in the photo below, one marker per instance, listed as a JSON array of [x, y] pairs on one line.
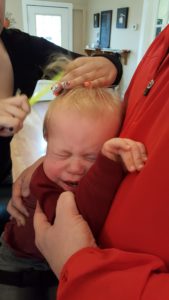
[[30, 54], [94, 69], [45, 50], [88, 272]]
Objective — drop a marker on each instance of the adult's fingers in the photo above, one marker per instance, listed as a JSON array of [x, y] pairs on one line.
[[40, 222], [66, 205], [15, 206], [90, 69], [20, 101], [9, 125], [15, 213]]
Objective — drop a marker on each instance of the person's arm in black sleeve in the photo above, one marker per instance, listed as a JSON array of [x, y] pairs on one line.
[[43, 50]]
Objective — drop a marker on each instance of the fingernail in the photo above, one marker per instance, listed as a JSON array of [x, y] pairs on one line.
[[65, 84], [10, 128], [132, 169], [56, 88], [87, 83]]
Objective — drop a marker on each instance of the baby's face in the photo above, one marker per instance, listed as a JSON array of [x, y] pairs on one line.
[[74, 142]]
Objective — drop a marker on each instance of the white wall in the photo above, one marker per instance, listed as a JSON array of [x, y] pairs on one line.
[[120, 38], [15, 8]]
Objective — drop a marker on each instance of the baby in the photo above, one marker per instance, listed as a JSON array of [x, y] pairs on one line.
[[78, 125]]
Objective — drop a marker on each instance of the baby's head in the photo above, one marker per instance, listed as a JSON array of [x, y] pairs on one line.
[[76, 126]]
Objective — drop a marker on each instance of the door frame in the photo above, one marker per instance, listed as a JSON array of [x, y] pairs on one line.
[[148, 21], [69, 6]]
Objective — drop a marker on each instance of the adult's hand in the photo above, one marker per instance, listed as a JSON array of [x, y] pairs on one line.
[[20, 189], [13, 111], [68, 234], [94, 71]]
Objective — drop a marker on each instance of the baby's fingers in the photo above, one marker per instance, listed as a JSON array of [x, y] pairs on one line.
[[139, 155], [135, 157], [128, 161], [143, 152]]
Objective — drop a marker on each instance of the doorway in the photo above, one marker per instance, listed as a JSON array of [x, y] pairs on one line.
[[152, 23], [51, 20]]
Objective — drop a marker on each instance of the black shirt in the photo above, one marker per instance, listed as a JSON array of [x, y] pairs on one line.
[[29, 55]]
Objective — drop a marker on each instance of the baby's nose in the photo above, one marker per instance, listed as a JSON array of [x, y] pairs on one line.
[[76, 167]]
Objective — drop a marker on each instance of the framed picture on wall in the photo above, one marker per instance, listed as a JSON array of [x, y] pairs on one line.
[[105, 28], [122, 17], [96, 19]]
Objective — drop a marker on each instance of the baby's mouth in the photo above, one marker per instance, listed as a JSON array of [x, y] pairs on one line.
[[71, 183]]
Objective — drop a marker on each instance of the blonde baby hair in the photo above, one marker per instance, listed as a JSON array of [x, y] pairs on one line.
[[56, 65], [91, 102]]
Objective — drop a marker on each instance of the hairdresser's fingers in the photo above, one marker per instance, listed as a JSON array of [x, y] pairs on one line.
[[98, 62], [17, 107], [79, 62], [91, 79], [24, 104], [79, 76], [18, 101], [15, 112], [85, 79], [89, 69], [9, 125], [6, 132], [99, 82]]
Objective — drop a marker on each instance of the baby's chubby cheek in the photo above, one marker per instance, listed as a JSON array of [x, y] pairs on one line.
[[50, 169]]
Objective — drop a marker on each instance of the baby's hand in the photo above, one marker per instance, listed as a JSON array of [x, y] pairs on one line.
[[131, 153]]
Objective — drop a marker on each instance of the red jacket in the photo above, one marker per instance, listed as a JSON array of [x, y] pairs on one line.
[[133, 263]]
